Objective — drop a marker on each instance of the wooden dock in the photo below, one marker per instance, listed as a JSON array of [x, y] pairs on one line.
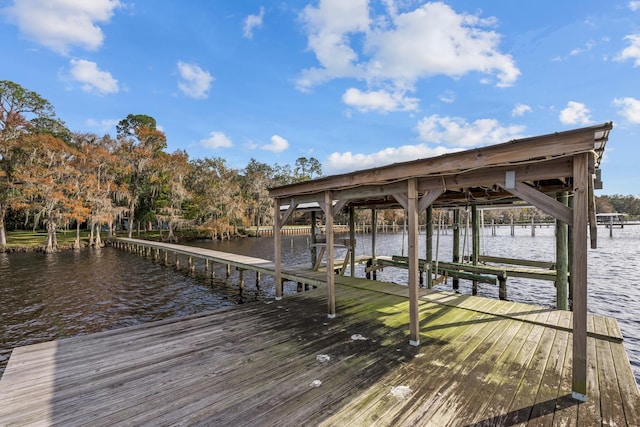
[[481, 362]]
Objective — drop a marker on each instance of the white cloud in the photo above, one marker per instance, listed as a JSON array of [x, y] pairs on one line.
[[217, 140], [277, 144], [195, 82], [575, 113], [520, 109], [93, 80], [632, 51], [328, 27], [251, 22], [457, 132], [634, 5], [579, 50], [448, 97], [629, 109], [60, 24], [103, 125], [398, 49], [379, 101], [348, 161]]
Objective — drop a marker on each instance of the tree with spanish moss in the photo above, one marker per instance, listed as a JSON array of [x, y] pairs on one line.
[[140, 146], [19, 109]]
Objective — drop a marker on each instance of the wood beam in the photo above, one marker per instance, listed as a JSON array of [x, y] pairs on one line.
[[541, 201], [560, 144], [412, 213], [286, 214], [339, 205], [427, 199], [579, 275], [401, 198], [540, 171]]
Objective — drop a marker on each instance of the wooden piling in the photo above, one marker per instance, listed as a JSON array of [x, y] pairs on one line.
[[533, 227], [241, 280], [562, 258], [331, 289], [475, 236], [374, 233], [412, 251], [352, 241], [456, 245], [579, 275], [429, 246], [314, 230]]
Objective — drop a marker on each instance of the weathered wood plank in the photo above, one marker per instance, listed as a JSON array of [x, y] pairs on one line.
[[476, 359], [589, 411], [517, 394], [611, 408], [550, 393]]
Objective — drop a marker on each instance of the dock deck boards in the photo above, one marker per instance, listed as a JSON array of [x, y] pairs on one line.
[[481, 362]]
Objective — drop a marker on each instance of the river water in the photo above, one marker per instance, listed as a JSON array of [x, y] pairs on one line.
[[45, 297]]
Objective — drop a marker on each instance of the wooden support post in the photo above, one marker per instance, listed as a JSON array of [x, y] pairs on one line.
[[277, 250], [241, 280], [475, 236], [502, 286], [191, 265], [429, 246], [228, 270], [258, 280], [166, 257], [314, 230], [570, 251], [456, 245], [611, 226], [206, 265], [562, 258], [579, 275], [374, 234], [352, 241], [533, 227], [513, 228], [412, 252], [177, 260], [331, 290]]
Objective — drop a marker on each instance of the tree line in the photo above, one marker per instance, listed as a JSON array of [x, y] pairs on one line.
[[52, 177], [617, 203]]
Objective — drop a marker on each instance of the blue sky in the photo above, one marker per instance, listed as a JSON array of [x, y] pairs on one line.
[[355, 84]]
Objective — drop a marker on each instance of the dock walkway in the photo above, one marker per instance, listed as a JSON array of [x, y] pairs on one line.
[[481, 362]]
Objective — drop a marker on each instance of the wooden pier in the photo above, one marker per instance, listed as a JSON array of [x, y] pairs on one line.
[[481, 362]]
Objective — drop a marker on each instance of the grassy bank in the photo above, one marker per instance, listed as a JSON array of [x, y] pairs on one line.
[[31, 241], [34, 241]]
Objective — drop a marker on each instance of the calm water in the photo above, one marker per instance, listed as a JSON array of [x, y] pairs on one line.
[[45, 297]]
